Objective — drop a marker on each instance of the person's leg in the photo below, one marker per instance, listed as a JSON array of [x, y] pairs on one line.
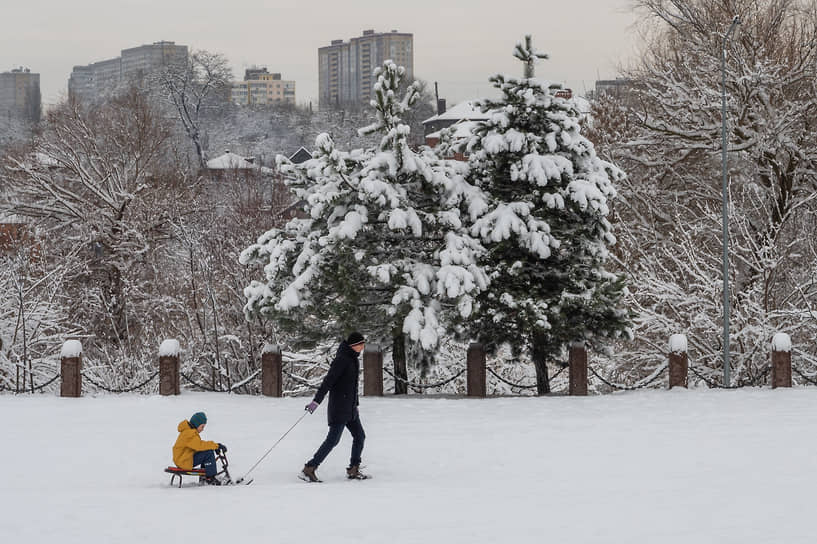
[[332, 439], [358, 438], [207, 460]]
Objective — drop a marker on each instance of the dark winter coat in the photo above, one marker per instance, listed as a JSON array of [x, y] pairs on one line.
[[341, 384]]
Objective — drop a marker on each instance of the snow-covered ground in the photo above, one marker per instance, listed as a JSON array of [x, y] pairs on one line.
[[645, 467]]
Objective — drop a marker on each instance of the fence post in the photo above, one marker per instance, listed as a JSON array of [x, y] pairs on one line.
[[476, 371], [71, 369], [678, 361], [169, 367], [272, 371], [373, 371], [781, 360], [578, 370]]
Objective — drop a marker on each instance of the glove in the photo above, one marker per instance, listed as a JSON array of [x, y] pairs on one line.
[[311, 407], [222, 448]]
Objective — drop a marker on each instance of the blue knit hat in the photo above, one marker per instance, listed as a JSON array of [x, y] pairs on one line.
[[197, 419]]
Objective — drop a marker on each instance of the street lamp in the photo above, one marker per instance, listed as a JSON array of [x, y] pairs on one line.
[[735, 22]]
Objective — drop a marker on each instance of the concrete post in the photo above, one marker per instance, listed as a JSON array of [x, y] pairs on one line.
[[71, 369], [373, 371], [476, 384], [272, 371], [169, 383], [578, 370], [678, 361], [781, 360]]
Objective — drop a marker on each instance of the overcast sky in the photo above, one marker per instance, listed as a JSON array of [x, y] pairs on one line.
[[458, 43]]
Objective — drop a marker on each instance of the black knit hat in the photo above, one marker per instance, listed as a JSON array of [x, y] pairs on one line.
[[355, 338]]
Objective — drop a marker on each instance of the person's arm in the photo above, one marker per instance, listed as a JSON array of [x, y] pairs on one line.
[[335, 370], [197, 444]]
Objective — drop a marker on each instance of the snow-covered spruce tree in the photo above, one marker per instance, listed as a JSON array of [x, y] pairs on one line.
[[546, 234], [382, 248]]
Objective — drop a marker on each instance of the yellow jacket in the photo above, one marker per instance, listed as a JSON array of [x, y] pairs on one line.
[[188, 443]]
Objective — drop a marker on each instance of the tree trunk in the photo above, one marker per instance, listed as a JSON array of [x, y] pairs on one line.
[[399, 361], [540, 364]]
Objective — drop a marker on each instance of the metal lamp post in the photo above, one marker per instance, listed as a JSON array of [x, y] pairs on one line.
[[726, 379]]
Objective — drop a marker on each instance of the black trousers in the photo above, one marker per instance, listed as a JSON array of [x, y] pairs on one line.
[[333, 437], [207, 460]]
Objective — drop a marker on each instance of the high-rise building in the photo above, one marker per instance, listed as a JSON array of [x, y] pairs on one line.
[[345, 68], [261, 87], [20, 95], [100, 79]]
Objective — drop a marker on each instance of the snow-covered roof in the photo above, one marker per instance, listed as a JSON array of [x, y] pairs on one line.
[[230, 161], [463, 110]]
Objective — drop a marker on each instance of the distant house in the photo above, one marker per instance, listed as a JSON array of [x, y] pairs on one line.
[[234, 165], [296, 208], [464, 111], [618, 88], [15, 235], [459, 132], [460, 120]]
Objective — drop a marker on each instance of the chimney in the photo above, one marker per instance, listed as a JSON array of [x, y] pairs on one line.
[[440, 106]]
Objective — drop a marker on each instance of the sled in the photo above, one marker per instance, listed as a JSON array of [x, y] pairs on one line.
[[180, 473], [177, 472]]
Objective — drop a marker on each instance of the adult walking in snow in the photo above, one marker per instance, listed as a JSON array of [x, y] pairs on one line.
[[341, 384]]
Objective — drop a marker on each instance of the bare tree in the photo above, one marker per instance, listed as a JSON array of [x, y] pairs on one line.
[[100, 183], [667, 136], [34, 316], [204, 81]]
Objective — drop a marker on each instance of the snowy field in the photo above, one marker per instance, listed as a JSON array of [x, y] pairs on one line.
[[645, 467]]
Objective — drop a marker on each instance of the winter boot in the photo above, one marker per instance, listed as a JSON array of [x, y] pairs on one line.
[[212, 480], [353, 473], [308, 474]]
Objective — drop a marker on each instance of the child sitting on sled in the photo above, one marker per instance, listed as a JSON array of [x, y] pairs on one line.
[[190, 450]]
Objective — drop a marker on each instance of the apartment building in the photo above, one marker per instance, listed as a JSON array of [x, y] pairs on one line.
[[345, 68], [261, 87], [100, 79], [20, 95]]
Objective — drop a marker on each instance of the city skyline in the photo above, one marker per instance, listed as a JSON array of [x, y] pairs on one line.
[[458, 45]]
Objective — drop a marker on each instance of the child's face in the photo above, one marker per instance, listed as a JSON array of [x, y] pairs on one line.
[[200, 428]]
